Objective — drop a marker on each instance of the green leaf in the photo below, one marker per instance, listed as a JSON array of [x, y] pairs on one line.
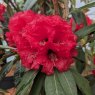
[[20, 70], [38, 83], [53, 86], [6, 1], [79, 17], [73, 2], [82, 83], [29, 4], [85, 1], [68, 83], [1, 31], [85, 31], [89, 5], [9, 11], [6, 47], [80, 60], [25, 85], [6, 69], [91, 79]]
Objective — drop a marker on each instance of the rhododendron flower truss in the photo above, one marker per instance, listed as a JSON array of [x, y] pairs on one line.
[[2, 11], [79, 26], [45, 42], [93, 72]]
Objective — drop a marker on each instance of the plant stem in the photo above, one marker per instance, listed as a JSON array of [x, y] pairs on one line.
[[55, 3], [66, 9]]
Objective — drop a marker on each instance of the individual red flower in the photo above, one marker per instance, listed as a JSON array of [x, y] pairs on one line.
[[46, 42], [93, 72], [79, 26], [21, 19], [16, 24], [2, 11]]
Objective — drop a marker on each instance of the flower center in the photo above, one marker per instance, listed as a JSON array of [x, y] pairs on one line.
[[52, 55], [50, 52], [42, 43], [46, 40]]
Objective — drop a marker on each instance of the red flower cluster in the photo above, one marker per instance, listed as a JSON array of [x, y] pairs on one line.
[[45, 42], [2, 11], [79, 26], [93, 72]]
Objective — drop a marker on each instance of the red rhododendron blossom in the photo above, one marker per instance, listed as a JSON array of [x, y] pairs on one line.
[[79, 26], [2, 11], [93, 72], [45, 42], [16, 24]]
